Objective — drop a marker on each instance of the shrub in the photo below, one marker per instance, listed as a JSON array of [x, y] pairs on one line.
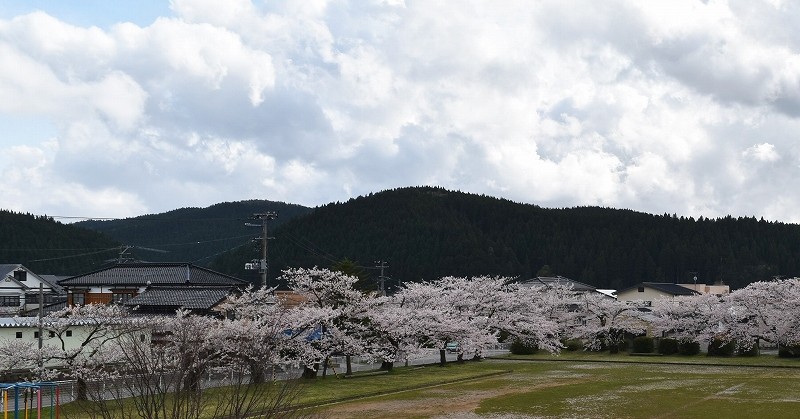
[[789, 351], [643, 345], [520, 348], [751, 351], [721, 347], [667, 346], [689, 347], [573, 345]]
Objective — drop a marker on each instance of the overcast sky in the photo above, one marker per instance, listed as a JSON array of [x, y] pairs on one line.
[[117, 109]]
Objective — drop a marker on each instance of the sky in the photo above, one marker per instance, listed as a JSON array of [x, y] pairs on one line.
[[125, 108]]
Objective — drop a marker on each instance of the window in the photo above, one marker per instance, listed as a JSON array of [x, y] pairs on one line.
[[120, 298], [69, 333], [19, 335], [36, 335], [9, 300], [21, 275], [79, 299], [141, 338], [641, 289]]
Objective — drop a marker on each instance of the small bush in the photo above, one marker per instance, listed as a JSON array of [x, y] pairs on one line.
[[721, 347], [643, 345], [520, 348], [667, 346], [789, 351], [751, 351], [573, 345], [689, 348]]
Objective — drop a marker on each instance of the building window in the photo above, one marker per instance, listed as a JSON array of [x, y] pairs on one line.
[[36, 335], [121, 298], [21, 275], [19, 335], [9, 300], [78, 299], [641, 289], [69, 333]]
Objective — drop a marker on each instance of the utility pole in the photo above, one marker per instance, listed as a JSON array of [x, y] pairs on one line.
[[262, 265], [381, 279], [41, 312]]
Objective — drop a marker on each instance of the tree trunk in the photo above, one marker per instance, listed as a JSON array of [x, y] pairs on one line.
[[310, 373], [325, 366], [460, 358], [82, 392], [387, 365], [256, 373], [349, 365], [442, 358]]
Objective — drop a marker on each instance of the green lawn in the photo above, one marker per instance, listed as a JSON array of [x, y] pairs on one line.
[[579, 386], [568, 386]]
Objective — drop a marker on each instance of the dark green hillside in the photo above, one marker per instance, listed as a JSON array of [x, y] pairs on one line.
[[48, 247], [426, 233], [195, 235]]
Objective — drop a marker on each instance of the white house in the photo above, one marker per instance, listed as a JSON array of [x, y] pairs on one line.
[[19, 290], [646, 292]]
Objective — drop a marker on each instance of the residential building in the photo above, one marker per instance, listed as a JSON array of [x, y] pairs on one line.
[[19, 290], [647, 292], [123, 282]]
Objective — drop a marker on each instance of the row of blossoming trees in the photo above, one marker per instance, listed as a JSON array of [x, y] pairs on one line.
[[153, 357]]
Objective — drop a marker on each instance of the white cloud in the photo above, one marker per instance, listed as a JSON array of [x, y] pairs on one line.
[[684, 107], [764, 152]]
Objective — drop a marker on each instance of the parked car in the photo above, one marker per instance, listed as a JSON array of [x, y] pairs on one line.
[[452, 347]]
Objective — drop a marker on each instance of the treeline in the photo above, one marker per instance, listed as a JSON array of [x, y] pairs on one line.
[[423, 233], [49, 247], [428, 232], [196, 235]]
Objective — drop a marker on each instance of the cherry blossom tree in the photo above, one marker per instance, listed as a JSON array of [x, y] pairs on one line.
[[329, 320], [763, 311], [605, 321], [694, 318]]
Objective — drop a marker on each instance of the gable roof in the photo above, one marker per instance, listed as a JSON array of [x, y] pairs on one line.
[[665, 287], [186, 297], [143, 274], [7, 271], [558, 280]]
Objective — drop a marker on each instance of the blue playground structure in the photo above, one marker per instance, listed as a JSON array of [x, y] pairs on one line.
[[22, 399]]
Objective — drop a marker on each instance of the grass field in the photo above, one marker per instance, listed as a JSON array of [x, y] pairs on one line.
[[572, 385], [583, 388]]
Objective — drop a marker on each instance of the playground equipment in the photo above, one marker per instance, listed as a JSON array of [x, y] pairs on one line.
[[29, 392]]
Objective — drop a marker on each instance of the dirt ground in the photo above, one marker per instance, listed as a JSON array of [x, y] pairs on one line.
[[440, 403]]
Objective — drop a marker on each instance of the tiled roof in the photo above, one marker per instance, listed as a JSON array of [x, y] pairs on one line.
[[142, 274], [187, 297], [558, 280], [7, 268]]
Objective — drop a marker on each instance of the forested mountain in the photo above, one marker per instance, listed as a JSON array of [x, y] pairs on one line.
[[426, 233], [48, 247], [196, 235], [422, 233]]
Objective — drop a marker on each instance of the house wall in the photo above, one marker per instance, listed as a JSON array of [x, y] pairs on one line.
[[102, 295], [79, 334], [10, 287], [709, 289], [648, 294]]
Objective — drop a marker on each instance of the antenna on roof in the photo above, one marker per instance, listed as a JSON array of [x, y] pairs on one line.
[[126, 257]]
